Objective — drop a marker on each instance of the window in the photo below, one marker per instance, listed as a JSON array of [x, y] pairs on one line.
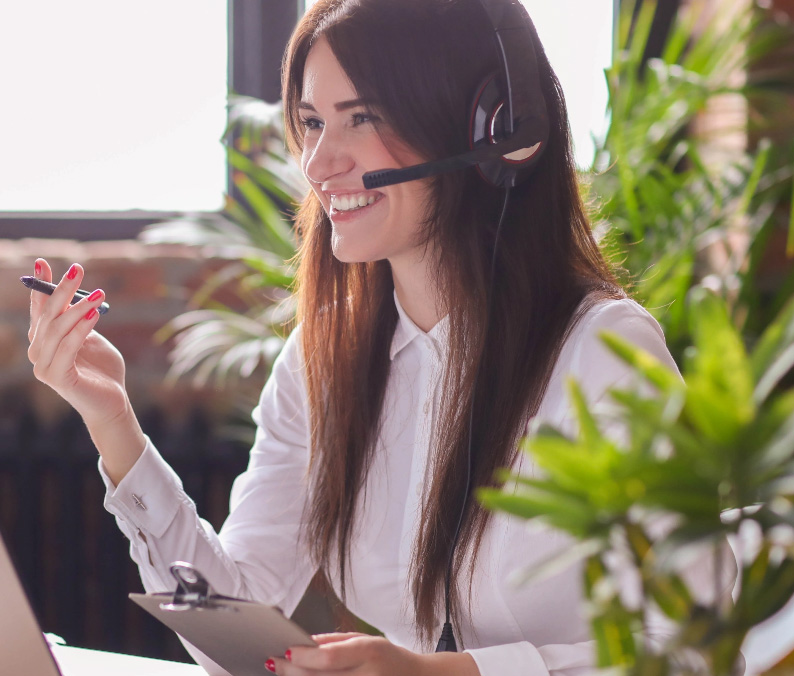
[[114, 106], [579, 50]]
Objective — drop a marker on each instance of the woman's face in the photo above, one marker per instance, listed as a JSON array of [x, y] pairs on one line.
[[340, 144]]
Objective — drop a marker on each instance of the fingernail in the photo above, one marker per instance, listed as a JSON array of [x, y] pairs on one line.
[[288, 655], [96, 295], [91, 313], [270, 665], [72, 272], [37, 269]]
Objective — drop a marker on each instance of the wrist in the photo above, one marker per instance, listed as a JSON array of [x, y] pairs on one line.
[[119, 440]]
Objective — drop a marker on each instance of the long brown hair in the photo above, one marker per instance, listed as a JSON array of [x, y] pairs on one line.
[[420, 61]]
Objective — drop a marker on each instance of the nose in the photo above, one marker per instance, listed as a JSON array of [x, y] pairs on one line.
[[327, 157]]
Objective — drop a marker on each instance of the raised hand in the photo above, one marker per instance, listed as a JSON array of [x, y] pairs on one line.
[[83, 367]]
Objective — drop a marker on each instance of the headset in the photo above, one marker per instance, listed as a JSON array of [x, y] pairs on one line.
[[508, 133], [509, 123]]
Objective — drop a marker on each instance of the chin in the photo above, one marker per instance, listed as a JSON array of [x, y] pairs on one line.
[[345, 253], [344, 256]]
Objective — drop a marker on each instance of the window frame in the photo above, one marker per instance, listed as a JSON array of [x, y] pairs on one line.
[[258, 34]]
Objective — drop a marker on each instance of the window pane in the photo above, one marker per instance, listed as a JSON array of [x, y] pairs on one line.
[[112, 106], [579, 50]]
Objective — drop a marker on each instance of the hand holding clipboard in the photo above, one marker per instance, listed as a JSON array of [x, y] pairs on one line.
[[238, 635]]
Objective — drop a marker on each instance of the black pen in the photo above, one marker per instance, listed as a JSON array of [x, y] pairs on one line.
[[48, 288]]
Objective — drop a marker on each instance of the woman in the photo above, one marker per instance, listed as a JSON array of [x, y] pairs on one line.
[[414, 313]]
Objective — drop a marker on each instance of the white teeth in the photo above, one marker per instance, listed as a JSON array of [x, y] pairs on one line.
[[350, 202]]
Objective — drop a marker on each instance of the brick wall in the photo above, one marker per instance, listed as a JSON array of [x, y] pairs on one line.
[[146, 286]]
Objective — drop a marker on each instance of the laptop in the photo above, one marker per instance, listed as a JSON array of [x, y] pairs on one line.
[[24, 650]]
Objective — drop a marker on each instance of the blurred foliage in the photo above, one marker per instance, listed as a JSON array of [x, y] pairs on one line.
[[244, 310], [693, 462], [670, 213], [678, 467]]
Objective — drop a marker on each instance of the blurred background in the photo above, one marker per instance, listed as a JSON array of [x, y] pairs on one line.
[[145, 143]]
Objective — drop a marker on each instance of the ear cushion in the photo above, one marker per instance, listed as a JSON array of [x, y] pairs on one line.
[[487, 127]]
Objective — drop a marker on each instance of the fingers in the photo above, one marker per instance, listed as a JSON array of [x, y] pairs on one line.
[[44, 308], [42, 271], [54, 350], [336, 653], [64, 334], [333, 637], [59, 329], [65, 353], [48, 308]]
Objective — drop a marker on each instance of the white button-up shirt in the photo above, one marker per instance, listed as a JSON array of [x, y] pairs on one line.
[[534, 629]]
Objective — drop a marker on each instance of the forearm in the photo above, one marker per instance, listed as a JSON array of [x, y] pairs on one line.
[[120, 441]]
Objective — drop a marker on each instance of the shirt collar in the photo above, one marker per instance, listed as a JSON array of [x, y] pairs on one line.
[[407, 331]]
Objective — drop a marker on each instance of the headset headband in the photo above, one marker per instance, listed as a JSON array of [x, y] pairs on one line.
[[508, 115]]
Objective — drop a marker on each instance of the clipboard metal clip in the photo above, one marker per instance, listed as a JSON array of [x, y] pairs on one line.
[[193, 592]]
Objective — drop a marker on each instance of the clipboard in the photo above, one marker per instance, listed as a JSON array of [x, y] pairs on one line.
[[238, 635]]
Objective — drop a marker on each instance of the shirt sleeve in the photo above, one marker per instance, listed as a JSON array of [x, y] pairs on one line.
[[525, 659], [258, 553], [596, 369]]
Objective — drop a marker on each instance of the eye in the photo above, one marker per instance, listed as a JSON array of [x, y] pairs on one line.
[[363, 118], [310, 123]]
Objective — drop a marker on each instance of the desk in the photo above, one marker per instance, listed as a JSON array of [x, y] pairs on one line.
[[81, 662]]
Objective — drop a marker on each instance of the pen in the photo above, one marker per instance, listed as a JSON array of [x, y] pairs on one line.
[[48, 288]]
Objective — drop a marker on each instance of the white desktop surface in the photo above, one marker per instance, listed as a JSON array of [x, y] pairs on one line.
[[82, 662]]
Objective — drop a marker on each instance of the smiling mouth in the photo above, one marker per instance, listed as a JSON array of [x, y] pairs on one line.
[[353, 202]]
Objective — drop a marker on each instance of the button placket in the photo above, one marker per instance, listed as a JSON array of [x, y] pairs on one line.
[[413, 500], [430, 408]]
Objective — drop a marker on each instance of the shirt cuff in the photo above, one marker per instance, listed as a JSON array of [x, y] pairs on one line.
[[512, 659], [149, 496]]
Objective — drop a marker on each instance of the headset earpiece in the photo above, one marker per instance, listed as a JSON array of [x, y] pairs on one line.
[[487, 127]]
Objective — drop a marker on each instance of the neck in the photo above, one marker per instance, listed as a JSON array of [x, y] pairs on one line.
[[416, 289]]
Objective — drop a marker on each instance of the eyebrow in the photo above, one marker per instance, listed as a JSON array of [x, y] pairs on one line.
[[342, 105]]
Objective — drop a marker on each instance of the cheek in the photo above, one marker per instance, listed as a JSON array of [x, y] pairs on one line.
[[420, 200], [305, 157]]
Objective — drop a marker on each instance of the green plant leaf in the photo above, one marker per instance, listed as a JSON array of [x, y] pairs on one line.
[[773, 356], [721, 356], [588, 428], [566, 513], [652, 369]]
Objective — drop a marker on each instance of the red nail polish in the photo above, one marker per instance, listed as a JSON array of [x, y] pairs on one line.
[[288, 655], [270, 665], [95, 296], [37, 269], [72, 272], [91, 313]]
